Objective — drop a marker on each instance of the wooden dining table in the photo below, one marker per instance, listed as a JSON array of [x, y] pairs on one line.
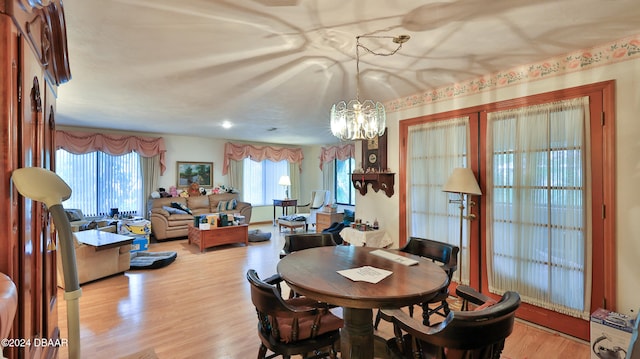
[[313, 272]]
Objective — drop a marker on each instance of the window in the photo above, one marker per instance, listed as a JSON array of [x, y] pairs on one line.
[[260, 181], [345, 193], [100, 182]]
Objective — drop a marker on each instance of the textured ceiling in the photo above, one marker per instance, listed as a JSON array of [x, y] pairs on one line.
[[273, 68]]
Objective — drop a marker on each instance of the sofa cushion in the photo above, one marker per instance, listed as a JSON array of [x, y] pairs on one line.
[[172, 210], [181, 206], [198, 202]]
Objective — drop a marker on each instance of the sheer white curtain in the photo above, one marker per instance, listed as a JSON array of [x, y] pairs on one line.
[[260, 182], [538, 206], [434, 150]]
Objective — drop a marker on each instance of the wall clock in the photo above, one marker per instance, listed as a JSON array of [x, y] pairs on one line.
[[374, 154]]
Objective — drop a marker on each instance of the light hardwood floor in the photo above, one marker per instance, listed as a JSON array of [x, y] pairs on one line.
[[199, 307]]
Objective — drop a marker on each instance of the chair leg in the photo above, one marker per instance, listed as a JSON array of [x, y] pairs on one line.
[[262, 352], [445, 307], [378, 317]]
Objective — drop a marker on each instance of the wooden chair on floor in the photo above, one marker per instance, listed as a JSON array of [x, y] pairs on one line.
[[477, 334], [298, 326], [298, 242], [443, 253]]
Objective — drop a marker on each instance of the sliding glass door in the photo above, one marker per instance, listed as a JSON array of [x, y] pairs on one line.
[[541, 163]]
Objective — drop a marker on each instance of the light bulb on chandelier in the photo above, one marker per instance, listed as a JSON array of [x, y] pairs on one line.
[[355, 120]]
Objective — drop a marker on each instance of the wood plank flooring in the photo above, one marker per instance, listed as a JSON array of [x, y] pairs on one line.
[[199, 307]]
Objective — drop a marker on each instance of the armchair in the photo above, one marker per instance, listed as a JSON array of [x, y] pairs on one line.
[[319, 198], [92, 264], [480, 333]]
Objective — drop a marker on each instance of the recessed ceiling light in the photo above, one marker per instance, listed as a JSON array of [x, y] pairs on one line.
[[227, 124]]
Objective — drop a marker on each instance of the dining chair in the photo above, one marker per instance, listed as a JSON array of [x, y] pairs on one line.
[[476, 334], [297, 242], [447, 256], [298, 326]]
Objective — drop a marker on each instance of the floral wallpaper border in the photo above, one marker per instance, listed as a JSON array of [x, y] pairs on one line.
[[617, 51]]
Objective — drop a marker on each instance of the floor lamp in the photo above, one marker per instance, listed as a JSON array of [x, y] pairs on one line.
[[462, 181], [45, 186]]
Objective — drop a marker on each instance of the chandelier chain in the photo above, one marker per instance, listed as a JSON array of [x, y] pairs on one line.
[[357, 120]]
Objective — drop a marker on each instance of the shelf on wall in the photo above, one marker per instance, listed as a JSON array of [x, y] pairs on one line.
[[378, 181]]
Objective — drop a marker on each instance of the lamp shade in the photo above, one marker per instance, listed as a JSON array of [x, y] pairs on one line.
[[285, 181], [462, 180]]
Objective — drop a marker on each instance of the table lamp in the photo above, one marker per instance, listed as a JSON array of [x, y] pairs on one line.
[[285, 181], [462, 181]]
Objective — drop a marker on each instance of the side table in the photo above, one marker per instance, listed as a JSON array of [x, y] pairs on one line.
[[285, 204], [325, 220], [374, 238]]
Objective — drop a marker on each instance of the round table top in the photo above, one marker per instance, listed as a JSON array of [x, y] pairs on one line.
[[313, 273]]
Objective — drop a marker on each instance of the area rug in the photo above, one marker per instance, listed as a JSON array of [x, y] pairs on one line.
[[148, 353]]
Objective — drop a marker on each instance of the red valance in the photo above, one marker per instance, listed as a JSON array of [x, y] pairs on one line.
[[339, 152], [238, 152], [85, 142]]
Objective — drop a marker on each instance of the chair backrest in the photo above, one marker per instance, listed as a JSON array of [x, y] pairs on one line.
[[265, 296], [481, 331], [298, 242], [281, 321], [441, 252], [319, 198]]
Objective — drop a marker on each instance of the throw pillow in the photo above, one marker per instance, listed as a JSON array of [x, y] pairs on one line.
[[73, 215], [90, 225], [222, 206], [181, 206], [349, 216], [172, 210]]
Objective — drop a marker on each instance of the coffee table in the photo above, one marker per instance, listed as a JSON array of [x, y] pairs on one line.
[[101, 240], [217, 236]]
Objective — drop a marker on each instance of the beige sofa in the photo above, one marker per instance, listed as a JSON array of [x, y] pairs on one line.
[[165, 225], [93, 264]]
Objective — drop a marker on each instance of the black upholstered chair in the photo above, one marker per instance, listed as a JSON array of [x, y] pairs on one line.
[[477, 334], [447, 256], [298, 326]]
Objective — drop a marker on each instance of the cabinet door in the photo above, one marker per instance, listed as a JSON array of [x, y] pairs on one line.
[[9, 263], [32, 311], [50, 288]]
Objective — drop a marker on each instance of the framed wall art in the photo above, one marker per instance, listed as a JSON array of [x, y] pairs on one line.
[[194, 172]]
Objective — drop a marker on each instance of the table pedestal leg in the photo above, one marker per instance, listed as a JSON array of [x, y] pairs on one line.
[[356, 337]]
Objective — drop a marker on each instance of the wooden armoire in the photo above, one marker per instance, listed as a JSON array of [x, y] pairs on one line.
[[33, 63]]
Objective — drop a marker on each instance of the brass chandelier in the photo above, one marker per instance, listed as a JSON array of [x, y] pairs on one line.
[[355, 120]]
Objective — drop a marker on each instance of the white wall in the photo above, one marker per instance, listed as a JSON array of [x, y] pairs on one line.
[[627, 147]]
